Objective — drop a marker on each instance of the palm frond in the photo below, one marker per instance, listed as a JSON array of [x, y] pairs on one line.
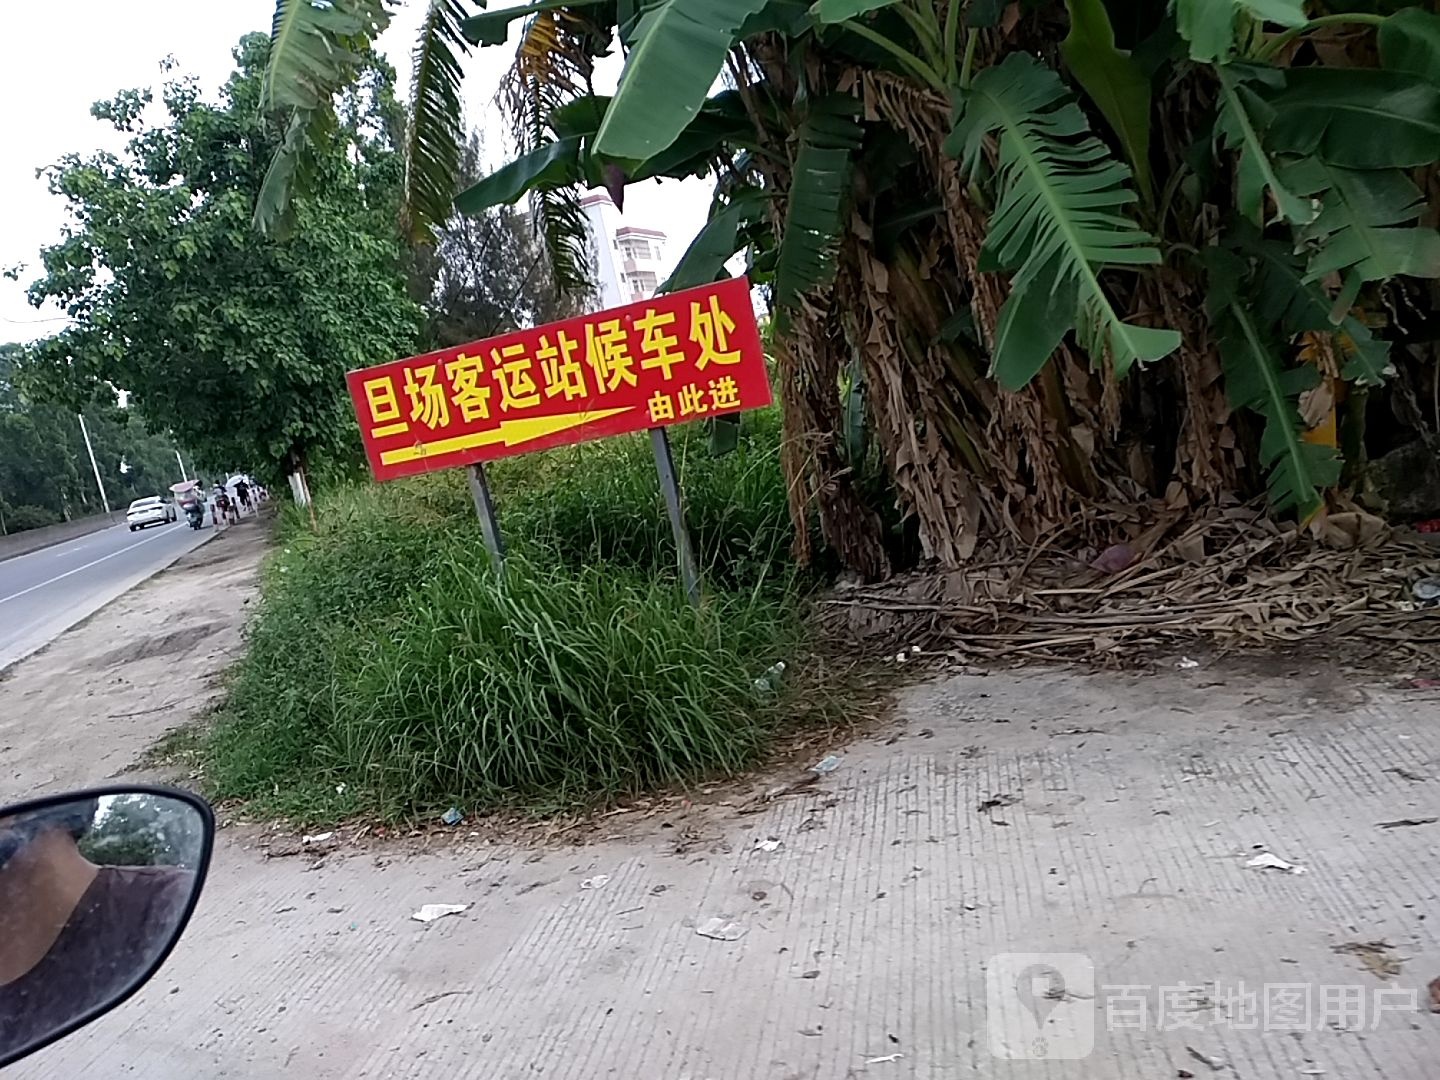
[[553, 67], [434, 141], [1059, 222], [316, 48], [564, 231]]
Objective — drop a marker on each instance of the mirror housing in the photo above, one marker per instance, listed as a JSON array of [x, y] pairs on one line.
[[96, 887]]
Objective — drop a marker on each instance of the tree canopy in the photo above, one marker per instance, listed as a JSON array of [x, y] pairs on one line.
[[45, 473], [486, 273], [235, 340], [1054, 256]]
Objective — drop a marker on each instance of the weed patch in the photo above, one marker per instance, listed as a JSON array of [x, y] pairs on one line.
[[391, 671]]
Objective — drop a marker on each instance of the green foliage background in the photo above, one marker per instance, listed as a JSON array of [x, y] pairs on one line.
[[236, 341], [45, 474]]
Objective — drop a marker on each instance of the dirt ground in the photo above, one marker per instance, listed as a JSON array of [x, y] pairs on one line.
[[88, 706], [1035, 873]]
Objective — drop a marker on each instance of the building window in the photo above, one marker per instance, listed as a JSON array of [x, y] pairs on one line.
[[643, 285], [636, 249]]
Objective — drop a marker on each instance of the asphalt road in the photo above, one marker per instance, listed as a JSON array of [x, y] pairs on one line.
[[44, 593]]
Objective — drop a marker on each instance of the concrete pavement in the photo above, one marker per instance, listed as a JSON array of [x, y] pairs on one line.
[[1039, 875], [1033, 875], [43, 593]]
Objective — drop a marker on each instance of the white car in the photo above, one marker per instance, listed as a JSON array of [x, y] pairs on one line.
[[149, 511]]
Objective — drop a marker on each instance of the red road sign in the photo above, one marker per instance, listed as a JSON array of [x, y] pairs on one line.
[[685, 356]]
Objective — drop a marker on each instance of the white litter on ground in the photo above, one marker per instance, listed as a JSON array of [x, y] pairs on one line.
[[1266, 861], [431, 912]]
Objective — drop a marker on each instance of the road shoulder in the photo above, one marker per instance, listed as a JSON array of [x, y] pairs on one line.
[[65, 615], [88, 705]]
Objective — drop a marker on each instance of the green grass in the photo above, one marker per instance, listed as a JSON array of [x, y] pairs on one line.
[[600, 503], [391, 672]]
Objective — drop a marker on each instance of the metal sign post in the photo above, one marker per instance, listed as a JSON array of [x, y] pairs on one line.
[[665, 466], [485, 510]]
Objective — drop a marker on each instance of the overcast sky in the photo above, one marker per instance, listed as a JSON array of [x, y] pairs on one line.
[[56, 59]]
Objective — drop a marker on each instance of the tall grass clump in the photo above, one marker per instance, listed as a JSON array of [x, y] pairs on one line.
[[391, 670]]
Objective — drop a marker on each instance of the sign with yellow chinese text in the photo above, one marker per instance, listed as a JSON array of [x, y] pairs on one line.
[[687, 356]]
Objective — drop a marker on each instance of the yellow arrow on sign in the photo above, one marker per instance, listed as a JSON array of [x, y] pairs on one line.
[[510, 432]]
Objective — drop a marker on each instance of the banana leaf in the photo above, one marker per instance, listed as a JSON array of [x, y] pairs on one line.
[[704, 260], [1409, 41], [679, 51], [1240, 125], [833, 11], [1256, 378], [551, 165], [1285, 298], [1059, 222], [1357, 118], [828, 138], [1114, 81], [1209, 25], [1363, 231], [493, 27]]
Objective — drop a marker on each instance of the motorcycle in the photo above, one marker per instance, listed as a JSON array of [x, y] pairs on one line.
[[96, 888], [195, 514]]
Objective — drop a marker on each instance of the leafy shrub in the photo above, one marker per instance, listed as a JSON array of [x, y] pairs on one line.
[[22, 518], [388, 662]]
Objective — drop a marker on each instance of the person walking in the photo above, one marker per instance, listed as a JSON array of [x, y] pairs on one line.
[[221, 506]]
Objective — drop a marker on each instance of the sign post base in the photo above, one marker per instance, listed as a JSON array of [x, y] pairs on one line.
[[485, 510], [665, 466]]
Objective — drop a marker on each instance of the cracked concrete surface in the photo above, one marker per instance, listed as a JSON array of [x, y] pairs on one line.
[[1095, 919]]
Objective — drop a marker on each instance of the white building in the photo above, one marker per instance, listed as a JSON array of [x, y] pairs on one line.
[[628, 259]]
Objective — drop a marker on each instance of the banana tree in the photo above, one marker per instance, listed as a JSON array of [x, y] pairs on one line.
[[988, 214]]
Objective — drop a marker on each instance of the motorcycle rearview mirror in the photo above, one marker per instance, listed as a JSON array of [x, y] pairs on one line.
[[96, 887]]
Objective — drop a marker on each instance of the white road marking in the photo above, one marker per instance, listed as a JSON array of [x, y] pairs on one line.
[[63, 547], [94, 562]]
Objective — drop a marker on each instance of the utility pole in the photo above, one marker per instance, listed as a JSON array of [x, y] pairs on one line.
[[183, 476], [98, 482]]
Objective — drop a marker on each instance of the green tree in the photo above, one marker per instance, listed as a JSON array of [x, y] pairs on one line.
[[1073, 252], [38, 479], [133, 461], [236, 341], [486, 273], [145, 830], [45, 472]]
